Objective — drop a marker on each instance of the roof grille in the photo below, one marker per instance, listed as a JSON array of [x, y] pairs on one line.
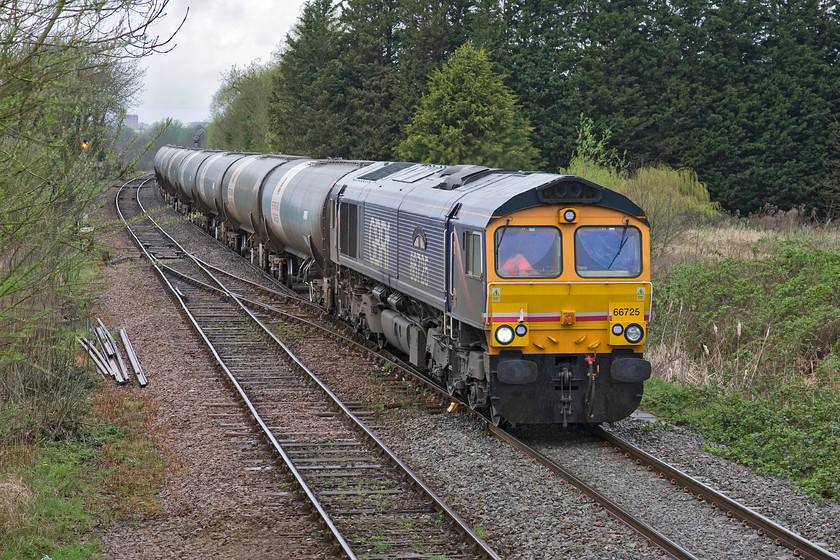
[[385, 171]]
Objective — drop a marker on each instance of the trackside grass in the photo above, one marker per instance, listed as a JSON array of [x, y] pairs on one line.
[[54, 494], [744, 344]]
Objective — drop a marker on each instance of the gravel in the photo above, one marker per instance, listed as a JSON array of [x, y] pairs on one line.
[[525, 512]]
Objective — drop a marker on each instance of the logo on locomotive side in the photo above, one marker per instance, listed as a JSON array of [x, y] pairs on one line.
[[418, 268], [379, 242]]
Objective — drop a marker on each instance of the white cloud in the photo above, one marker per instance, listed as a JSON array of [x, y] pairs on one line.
[[217, 35]]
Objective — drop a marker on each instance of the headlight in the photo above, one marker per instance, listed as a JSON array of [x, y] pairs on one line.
[[504, 334], [617, 329], [570, 215], [634, 333]]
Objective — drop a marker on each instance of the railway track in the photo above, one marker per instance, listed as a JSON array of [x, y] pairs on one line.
[[780, 536], [362, 493], [265, 307]]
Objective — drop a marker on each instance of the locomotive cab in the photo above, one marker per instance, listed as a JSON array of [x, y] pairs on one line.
[[567, 310]]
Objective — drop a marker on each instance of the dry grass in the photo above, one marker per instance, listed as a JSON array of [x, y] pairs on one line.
[[716, 361], [132, 465], [15, 502], [754, 238]]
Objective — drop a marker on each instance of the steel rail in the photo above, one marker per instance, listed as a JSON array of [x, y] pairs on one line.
[[316, 504], [664, 543], [781, 536], [440, 505]]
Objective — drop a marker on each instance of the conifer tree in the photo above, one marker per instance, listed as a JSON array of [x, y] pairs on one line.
[[375, 104], [307, 110], [468, 116]]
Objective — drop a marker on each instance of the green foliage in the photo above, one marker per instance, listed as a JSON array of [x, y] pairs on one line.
[[52, 492], [762, 316], [376, 106], [830, 199], [792, 432], [240, 110], [671, 198], [139, 151], [468, 116], [743, 93], [67, 70], [307, 111]]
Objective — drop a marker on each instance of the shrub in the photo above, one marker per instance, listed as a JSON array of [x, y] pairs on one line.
[[753, 319], [793, 432]]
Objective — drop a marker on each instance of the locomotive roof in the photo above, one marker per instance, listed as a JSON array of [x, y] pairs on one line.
[[484, 194]]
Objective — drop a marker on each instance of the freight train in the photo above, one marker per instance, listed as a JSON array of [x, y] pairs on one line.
[[527, 294]]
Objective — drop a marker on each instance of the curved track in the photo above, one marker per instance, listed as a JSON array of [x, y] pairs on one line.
[[370, 502]]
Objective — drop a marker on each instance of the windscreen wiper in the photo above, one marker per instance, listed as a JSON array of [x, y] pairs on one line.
[[621, 243], [502, 236]]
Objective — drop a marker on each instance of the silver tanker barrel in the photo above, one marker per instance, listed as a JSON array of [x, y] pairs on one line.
[[295, 207], [162, 158], [172, 164], [210, 175], [243, 184], [187, 173]]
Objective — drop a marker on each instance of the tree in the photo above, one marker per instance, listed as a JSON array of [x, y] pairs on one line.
[[468, 116], [375, 102], [742, 92], [240, 110], [830, 191], [308, 107], [66, 74]]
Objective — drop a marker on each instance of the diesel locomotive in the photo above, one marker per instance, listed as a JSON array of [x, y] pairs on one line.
[[527, 294]]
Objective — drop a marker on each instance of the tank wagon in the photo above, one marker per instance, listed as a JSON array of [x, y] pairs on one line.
[[527, 294]]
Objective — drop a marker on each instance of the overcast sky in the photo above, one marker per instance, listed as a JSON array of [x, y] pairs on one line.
[[217, 35]]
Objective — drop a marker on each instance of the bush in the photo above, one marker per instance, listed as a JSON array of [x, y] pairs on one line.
[[793, 432], [753, 319]]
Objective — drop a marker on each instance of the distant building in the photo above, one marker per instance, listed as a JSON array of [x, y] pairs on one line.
[[132, 121]]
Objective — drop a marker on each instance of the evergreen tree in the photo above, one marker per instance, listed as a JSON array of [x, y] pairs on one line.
[[375, 104], [830, 191], [761, 87], [468, 116], [307, 110], [432, 31]]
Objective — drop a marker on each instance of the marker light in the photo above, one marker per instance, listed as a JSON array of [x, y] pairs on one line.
[[521, 330], [634, 333], [569, 215], [617, 329], [504, 334]]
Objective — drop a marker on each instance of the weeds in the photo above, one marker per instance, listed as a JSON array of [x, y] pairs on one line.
[[50, 491], [793, 432], [746, 331], [743, 321]]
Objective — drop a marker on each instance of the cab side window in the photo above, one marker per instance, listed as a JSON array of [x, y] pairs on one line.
[[472, 262]]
